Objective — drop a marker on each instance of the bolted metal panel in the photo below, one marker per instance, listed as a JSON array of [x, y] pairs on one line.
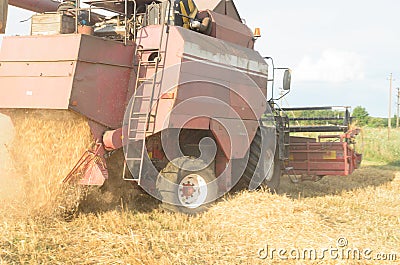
[[41, 79], [101, 81], [234, 144], [41, 48], [87, 74], [228, 29]]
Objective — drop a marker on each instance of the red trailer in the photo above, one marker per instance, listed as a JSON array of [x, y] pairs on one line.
[[332, 157]]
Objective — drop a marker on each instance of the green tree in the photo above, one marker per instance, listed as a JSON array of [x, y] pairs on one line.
[[361, 115], [377, 122]]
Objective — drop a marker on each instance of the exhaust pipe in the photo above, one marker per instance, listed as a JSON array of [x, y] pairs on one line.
[[3, 15]]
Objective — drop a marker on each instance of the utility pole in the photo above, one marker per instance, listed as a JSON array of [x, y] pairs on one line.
[[398, 108], [390, 105]]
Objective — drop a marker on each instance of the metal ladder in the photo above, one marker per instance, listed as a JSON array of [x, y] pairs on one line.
[[283, 132], [141, 119], [286, 136]]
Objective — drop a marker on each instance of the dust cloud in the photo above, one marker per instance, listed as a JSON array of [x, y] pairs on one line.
[[10, 183]]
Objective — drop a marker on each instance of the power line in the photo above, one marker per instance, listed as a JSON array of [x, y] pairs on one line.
[[390, 105], [398, 108]]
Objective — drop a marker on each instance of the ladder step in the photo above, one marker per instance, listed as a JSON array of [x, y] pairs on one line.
[[148, 50], [133, 159], [140, 120], [145, 79], [147, 62], [138, 131], [133, 180], [142, 115], [135, 139], [142, 99]]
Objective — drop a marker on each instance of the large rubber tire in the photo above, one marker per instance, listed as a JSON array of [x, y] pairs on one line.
[[254, 155], [173, 173], [273, 183]]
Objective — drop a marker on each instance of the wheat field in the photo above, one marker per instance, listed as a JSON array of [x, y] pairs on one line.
[[363, 208]]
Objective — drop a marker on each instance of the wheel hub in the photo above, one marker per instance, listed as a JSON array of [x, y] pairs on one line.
[[192, 191], [188, 190]]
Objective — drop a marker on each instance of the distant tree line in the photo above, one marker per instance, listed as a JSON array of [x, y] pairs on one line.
[[362, 118], [317, 117]]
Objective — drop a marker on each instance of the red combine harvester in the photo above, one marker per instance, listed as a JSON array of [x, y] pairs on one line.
[[176, 84]]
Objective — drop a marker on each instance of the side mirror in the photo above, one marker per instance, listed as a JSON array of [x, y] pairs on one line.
[[3, 15], [287, 80]]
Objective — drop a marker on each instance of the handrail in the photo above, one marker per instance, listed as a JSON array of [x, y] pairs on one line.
[[92, 7]]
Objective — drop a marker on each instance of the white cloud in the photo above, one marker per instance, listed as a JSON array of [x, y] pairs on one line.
[[333, 66]]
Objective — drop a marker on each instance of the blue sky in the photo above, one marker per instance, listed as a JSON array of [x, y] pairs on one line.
[[341, 52]]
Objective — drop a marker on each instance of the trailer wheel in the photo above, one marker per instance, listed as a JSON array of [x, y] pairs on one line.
[[191, 193]]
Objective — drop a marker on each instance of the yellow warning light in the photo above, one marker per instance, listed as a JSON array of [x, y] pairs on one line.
[[257, 33]]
